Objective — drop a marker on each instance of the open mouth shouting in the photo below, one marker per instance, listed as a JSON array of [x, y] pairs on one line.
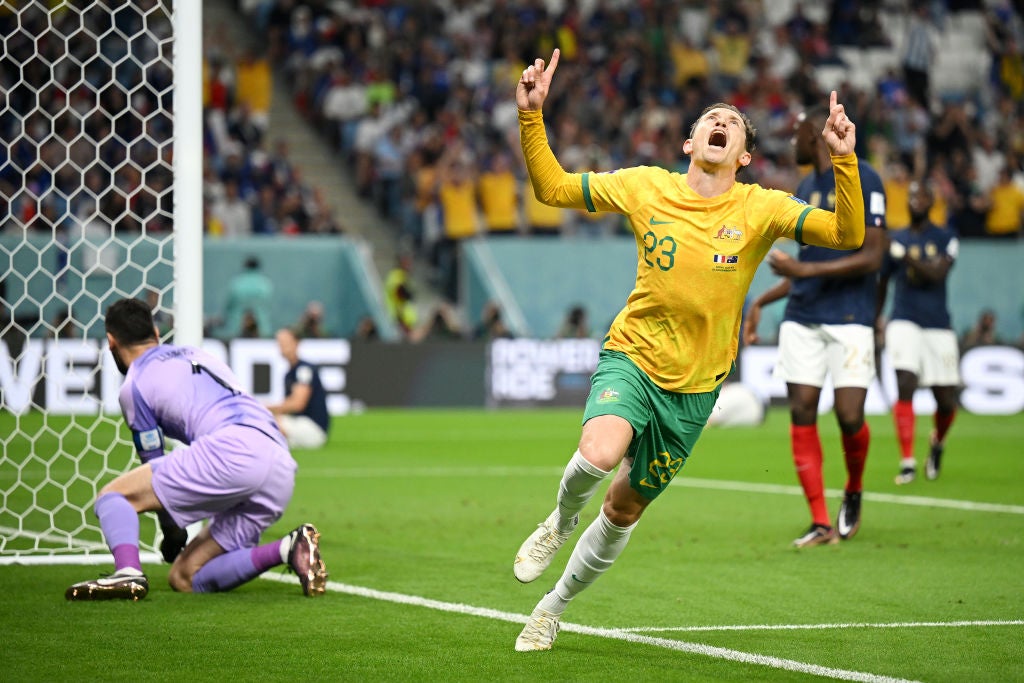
[[718, 138]]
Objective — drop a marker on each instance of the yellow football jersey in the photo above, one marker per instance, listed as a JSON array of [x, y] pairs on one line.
[[498, 201], [696, 256], [458, 209]]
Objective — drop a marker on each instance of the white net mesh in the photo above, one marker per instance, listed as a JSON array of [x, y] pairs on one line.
[[86, 132]]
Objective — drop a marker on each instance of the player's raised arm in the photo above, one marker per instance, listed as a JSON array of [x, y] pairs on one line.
[[551, 184], [844, 229]]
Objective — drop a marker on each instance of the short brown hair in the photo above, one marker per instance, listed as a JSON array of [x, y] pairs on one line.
[[748, 126]]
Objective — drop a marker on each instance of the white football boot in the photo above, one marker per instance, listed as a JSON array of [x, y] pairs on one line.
[[539, 549], [539, 633]]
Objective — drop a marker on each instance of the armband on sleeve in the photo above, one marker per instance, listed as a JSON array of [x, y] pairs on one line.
[[149, 443]]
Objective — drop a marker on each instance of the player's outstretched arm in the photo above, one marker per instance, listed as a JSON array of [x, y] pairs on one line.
[[867, 259], [845, 228], [532, 89], [552, 185]]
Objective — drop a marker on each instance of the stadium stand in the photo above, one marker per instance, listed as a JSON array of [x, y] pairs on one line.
[[347, 106], [386, 83]]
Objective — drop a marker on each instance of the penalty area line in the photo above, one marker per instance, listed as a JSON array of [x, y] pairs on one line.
[[614, 634]]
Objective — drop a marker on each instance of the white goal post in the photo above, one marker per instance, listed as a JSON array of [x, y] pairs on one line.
[[101, 159]]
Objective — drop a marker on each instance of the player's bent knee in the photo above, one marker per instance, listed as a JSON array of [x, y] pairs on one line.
[[803, 405], [850, 423], [623, 510], [180, 578], [110, 487], [621, 516], [605, 455], [603, 459]]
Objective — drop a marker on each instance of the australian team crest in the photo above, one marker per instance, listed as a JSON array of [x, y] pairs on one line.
[[728, 232]]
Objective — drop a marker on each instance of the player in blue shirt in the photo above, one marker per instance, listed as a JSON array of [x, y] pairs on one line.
[[919, 337], [828, 329], [302, 415], [235, 471]]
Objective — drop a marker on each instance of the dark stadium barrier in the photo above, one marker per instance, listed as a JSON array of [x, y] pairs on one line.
[[79, 377]]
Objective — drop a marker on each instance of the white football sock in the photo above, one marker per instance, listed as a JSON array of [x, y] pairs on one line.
[[595, 552], [285, 547], [579, 482]]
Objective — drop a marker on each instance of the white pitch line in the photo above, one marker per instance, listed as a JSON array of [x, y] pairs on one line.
[[921, 501], [697, 483], [66, 560], [95, 552], [615, 634], [818, 627], [925, 501]]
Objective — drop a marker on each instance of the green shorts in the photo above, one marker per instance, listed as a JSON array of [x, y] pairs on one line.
[[666, 424]]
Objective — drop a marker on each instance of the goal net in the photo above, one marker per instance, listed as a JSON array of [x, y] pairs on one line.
[[87, 175]]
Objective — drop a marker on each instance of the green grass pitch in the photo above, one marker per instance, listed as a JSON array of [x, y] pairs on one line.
[[421, 513]]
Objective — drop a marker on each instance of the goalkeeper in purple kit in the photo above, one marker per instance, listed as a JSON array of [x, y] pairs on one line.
[[235, 471]]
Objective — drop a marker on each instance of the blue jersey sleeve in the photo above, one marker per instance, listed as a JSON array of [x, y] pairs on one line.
[[874, 196]]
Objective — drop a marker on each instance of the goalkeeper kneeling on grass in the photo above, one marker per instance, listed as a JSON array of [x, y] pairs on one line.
[[235, 470]]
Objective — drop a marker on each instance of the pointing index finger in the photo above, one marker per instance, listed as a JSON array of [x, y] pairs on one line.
[[832, 100], [553, 64]]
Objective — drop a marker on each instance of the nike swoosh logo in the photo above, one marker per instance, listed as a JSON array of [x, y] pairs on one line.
[[656, 222], [580, 580]]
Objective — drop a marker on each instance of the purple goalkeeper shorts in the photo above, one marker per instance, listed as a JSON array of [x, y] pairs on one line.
[[239, 478]]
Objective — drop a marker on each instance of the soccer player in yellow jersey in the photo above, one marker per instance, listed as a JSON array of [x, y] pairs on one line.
[[499, 197], [700, 237], [456, 196]]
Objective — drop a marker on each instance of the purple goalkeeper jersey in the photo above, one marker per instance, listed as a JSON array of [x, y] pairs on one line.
[[185, 393]]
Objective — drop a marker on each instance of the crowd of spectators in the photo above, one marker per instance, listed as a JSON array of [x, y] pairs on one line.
[[251, 186], [87, 116], [417, 98], [85, 120]]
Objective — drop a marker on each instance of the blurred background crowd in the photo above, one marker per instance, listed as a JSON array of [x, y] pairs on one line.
[[416, 97], [415, 101]]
